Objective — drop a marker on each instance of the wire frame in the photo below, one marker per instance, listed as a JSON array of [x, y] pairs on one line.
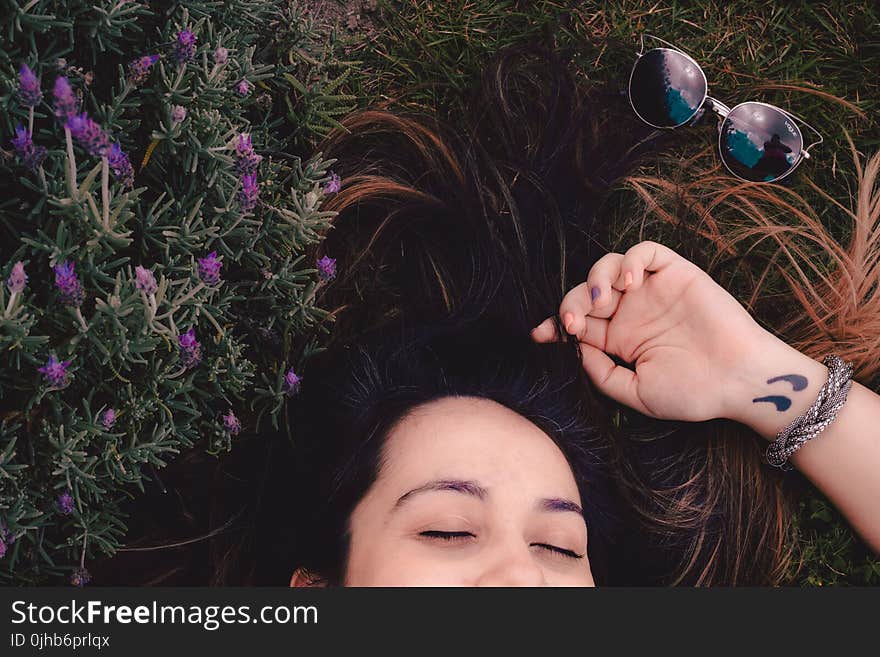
[[719, 107]]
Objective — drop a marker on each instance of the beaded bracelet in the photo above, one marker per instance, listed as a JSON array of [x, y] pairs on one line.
[[819, 415]]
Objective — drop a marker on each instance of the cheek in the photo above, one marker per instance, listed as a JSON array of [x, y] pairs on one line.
[[588, 578], [575, 577], [402, 562]]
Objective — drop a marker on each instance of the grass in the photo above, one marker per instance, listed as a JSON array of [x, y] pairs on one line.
[[818, 60], [797, 55]]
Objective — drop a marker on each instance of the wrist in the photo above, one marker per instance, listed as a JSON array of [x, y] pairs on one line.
[[772, 384]]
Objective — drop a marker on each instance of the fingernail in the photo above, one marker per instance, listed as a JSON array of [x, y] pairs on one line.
[[567, 319], [594, 293], [627, 281]]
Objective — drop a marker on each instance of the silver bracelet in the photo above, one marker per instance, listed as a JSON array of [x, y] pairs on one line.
[[817, 417]]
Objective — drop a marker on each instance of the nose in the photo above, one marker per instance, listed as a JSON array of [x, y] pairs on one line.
[[512, 567]]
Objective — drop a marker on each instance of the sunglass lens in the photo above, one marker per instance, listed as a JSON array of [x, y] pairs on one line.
[[666, 88], [759, 142]]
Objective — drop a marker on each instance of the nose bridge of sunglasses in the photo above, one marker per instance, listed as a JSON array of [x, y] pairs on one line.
[[718, 107], [709, 105]]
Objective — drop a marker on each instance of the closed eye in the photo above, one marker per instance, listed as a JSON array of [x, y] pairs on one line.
[[560, 551], [463, 536], [447, 536]]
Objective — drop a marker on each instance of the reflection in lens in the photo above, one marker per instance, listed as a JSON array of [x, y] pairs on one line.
[[759, 142], [666, 88]]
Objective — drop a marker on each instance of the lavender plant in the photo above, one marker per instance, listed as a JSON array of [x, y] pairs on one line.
[[154, 217]]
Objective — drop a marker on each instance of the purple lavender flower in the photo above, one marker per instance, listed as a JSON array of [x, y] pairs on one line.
[[139, 69], [231, 423], [249, 193], [178, 114], [65, 503], [72, 292], [29, 87], [120, 165], [333, 185], [6, 539], [55, 372], [80, 577], [22, 141], [108, 418], [190, 349], [32, 156], [221, 55], [66, 103], [243, 88], [17, 278], [327, 268], [291, 382], [185, 48], [209, 268], [89, 134], [145, 281], [246, 159]]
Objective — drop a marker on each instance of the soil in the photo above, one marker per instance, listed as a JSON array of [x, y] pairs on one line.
[[355, 17]]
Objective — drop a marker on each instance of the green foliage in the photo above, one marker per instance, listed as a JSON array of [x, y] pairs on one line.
[[315, 98], [180, 125], [431, 51], [831, 554]]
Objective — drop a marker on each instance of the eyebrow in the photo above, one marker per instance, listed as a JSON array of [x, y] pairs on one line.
[[472, 488], [559, 504]]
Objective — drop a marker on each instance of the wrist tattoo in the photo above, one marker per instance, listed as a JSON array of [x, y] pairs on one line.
[[797, 381], [783, 403]]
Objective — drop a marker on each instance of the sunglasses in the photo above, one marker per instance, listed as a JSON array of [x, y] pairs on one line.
[[758, 142]]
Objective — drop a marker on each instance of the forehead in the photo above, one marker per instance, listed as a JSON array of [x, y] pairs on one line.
[[479, 439]]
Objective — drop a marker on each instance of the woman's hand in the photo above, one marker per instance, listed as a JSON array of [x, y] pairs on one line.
[[699, 355], [686, 336]]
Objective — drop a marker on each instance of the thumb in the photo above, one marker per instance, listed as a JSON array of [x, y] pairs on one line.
[[618, 382]]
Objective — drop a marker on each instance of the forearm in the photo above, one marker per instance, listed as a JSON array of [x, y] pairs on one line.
[[843, 461]]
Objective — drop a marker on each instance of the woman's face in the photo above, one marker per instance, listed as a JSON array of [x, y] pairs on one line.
[[469, 493]]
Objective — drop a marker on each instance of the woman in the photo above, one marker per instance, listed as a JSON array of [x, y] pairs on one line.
[[475, 418]]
